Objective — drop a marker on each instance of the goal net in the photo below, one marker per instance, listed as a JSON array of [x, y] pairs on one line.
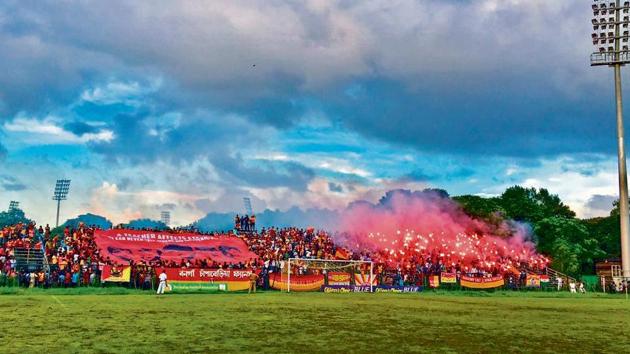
[[300, 274]]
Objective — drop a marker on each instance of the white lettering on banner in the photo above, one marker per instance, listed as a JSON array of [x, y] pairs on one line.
[[241, 273], [187, 273], [160, 238], [219, 273]]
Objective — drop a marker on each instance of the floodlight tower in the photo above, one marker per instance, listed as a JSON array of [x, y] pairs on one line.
[[165, 216], [13, 206], [248, 205], [61, 193], [610, 38]]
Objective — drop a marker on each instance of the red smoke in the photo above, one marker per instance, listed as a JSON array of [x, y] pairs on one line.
[[425, 226]]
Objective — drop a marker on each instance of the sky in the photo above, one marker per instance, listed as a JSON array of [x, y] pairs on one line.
[[189, 106]]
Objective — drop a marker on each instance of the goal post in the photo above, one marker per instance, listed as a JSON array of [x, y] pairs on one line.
[[297, 267]]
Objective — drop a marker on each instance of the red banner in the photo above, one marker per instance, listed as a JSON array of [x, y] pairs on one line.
[[298, 282], [125, 245]]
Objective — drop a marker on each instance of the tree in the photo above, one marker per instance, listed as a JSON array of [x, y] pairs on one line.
[[568, 243], [531, 205], [565, 256], [89, 220], [480, 207], [606, 231], [147, 224], [13, 217]]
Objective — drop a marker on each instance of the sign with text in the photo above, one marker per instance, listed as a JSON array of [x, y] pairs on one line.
[[203, 279], [481, 283], [398, 289], [346, 289], [122, 246]]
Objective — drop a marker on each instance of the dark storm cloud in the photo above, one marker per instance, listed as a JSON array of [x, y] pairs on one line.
[[212, 139], [494, 121], [600, 202], [11, 184], [417, 176], [3, 152], [465, 77], [79, 128], [264, 173], [333, 187], [165, 206]]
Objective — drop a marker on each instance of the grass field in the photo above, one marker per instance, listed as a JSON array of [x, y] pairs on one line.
[[62, 321]]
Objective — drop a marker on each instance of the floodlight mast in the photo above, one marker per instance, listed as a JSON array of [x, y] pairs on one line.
[[165, 217], [14, 205], [616, 57], [61, 193]]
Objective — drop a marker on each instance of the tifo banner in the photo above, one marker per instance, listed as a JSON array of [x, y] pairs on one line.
[[434, 281], [338, 278], [448, 278], [125, 245], [481, 283], [298, 282], [189, 278], [533, 280], [364, 279], [114, 274]]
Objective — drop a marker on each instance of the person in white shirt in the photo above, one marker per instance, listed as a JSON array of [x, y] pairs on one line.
[[559, 283], [163, 284], [582, 289], [572, 287]]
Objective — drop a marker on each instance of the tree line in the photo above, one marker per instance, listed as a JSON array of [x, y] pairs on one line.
[[573, 244]]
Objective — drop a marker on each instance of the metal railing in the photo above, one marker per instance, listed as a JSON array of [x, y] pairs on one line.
[[554, 273]]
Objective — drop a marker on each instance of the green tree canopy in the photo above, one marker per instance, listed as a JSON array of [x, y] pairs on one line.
[[13, 217], [568, 243], [480, 207], [531, 205]]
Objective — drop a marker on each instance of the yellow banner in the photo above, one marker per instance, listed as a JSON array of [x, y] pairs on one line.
[[448, 278], [114, 274], [481, 283]]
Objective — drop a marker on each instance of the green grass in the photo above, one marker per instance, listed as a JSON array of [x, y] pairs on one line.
[[501, 322]]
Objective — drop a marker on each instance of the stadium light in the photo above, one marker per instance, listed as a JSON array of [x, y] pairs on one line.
[[13, 206], [61, 193], [248, 205], [165, 217], [611, 20]]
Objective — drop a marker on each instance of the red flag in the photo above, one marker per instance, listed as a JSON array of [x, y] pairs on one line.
[[342, 253]]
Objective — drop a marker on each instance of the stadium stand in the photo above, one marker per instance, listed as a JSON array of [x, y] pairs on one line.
[[32, 256]]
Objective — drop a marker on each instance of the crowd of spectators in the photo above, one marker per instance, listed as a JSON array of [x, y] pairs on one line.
[[74, 258], [245, 223]]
